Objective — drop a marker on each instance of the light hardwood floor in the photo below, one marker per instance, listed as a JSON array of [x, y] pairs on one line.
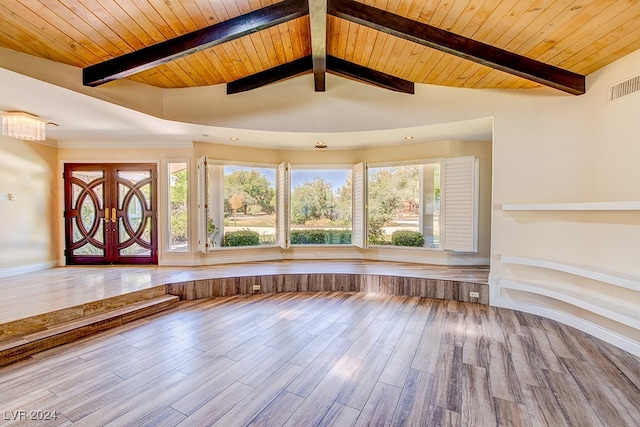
[[59, 288], [305, 359]]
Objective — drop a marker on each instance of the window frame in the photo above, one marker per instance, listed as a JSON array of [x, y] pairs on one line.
[[166, 229], [209, 205], [413, 162]]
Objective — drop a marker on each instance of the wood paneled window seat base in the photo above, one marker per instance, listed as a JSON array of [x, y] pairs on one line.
[[440, 282]]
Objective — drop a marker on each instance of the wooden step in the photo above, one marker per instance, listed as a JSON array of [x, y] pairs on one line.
[[20, 348], [27, 321]]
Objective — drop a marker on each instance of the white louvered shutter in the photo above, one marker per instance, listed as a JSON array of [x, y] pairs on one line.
[[359, 209], [215, 182], [203, 207], [460, 204], [282, 205]]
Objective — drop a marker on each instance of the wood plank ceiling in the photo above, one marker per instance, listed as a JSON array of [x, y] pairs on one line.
[[577, 36]]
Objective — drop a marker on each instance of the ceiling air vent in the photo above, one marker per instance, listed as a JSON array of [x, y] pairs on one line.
[[624, 88]]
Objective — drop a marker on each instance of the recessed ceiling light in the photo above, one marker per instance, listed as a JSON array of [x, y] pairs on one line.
[[320, 145], [234, 138], [408, 137]]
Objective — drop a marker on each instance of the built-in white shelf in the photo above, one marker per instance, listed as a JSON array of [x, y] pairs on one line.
[[614, 278], [583, 206], [595, 302]]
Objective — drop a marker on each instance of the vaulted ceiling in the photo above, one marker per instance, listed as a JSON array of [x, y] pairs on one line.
[[391, 43]]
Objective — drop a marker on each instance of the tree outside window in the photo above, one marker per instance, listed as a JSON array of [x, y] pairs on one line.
[[320, 206], [178, 209], [249, 206], [404, 205]]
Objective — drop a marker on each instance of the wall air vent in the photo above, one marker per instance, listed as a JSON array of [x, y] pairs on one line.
[[624, 88]]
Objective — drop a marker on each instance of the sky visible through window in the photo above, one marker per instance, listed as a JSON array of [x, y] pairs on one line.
[[336, 177]]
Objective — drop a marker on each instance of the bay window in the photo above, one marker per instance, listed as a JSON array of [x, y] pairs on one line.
[[427, 204]]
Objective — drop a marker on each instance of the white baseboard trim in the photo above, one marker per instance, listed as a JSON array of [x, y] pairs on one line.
[[590, 328], [27, 268], [494, 290]]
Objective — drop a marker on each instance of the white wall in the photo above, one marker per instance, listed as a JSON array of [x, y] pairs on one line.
[[581, 149], [137, 96], [346, 106], [29, 236]]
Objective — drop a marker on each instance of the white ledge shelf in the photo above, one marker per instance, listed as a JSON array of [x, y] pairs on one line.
[[617, 279], [599, 304], [584, 206]]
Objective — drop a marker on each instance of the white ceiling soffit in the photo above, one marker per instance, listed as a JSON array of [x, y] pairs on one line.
[[84, 120]]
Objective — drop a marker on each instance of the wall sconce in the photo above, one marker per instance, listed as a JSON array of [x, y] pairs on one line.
[[23, 126]]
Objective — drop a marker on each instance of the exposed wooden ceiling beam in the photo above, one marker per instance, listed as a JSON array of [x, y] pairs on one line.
[[193, 42], [334, 65], [318, 26], [458, 45], [272, 75], [368, 75]]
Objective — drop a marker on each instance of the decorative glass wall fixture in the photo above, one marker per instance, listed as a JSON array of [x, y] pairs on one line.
[[23, 126]]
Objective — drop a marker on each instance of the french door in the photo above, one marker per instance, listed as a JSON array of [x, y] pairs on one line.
[[110, 213]]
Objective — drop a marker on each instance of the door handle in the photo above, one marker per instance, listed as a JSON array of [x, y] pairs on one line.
[[110, 215]]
